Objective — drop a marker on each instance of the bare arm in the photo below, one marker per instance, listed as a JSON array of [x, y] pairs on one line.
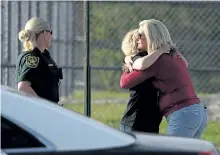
[[146, 61], [25, 87]]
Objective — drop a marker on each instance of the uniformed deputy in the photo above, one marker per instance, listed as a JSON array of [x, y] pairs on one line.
[[37, 73]]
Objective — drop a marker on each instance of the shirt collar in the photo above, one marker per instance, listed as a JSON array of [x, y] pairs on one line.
[[36, 50], [45, 52]]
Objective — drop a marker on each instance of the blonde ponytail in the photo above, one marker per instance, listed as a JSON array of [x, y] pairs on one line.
[[32, 28], [28, 38]]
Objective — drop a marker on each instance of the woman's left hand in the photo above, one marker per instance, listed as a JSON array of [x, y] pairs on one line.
[[127, 68], [128, 59]]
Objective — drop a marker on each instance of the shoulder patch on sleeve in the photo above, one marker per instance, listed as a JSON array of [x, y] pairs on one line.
[[32, 61]]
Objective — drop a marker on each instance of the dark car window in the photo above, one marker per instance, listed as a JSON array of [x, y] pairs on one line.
[[12, 136]]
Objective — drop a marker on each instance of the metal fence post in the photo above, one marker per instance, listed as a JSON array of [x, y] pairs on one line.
[[87, 77]]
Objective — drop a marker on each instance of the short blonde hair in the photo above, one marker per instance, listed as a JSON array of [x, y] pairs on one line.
[[29, 34], [129, 43], [156, 34]]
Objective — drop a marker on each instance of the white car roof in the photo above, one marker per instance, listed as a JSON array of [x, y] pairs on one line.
[[64, 128]]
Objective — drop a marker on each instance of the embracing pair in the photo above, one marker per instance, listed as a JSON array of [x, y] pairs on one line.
[[160, 85]]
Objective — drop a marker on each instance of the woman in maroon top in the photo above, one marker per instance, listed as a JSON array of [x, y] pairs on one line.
[[185, 114]]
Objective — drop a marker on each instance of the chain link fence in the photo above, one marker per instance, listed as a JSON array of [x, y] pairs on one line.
[[194, 28]]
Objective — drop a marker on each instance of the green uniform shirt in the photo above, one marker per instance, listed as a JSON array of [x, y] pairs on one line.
[[41, 72]]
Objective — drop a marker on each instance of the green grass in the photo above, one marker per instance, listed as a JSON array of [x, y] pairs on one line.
[[99, 95], [110, 114]]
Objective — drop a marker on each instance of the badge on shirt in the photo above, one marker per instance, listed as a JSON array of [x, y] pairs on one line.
[[32, 61]]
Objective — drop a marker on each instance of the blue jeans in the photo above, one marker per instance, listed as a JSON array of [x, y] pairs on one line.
[[189, 121]]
